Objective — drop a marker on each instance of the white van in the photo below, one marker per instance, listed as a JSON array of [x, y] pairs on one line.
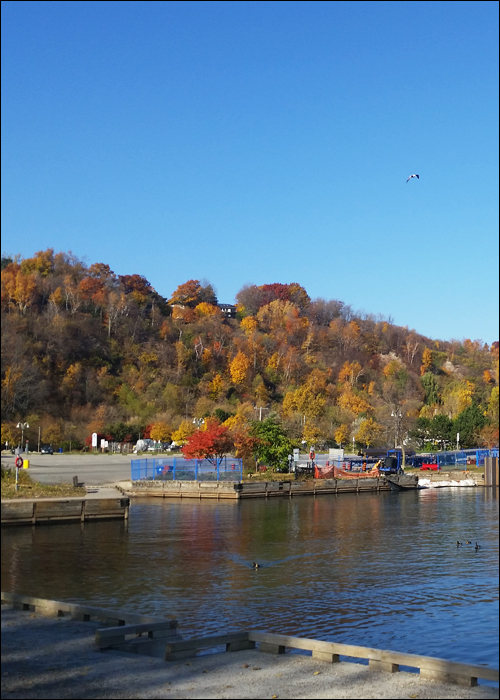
[[143, 445]]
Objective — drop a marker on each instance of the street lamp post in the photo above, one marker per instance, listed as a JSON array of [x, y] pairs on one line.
[[198, 422], [22, 426], [397, 415]]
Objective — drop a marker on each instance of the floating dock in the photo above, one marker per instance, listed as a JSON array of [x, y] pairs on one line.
[[264, 489], [33, 511]]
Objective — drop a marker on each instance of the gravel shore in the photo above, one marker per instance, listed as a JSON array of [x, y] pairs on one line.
[[56, 658]]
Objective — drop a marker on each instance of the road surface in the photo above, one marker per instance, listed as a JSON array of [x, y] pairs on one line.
[[92, 469]]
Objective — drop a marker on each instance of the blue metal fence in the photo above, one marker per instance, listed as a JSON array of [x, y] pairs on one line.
[[178, 468], [459, 457]]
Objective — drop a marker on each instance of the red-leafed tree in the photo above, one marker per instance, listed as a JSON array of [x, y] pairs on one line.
[[252, 298], [213, 442], [137, 285]]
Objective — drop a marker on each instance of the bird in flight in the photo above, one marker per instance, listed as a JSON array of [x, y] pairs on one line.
[[413, 176]]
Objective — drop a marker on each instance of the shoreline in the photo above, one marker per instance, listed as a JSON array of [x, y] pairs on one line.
[[45, 657]]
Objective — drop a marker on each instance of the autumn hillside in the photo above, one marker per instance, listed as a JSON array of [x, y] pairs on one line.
[[85, 350]]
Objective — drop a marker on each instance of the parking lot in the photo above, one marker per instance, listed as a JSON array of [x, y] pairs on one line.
[[92, 469]]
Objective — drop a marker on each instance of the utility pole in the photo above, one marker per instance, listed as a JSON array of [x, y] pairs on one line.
[[260, 409], [39, 433]]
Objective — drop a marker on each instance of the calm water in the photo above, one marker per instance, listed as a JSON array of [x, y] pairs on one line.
[[376, 570]]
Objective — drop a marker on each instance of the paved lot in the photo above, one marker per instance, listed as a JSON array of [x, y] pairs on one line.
[[91, 469]]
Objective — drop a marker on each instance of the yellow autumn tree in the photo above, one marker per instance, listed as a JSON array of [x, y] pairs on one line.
[[53, 433], [311, 433], [216, 386], [235, 422], [341, 434], [274, 362], [369, 432], [183, 432], [161, 432], [303, 401], [458, 397], [249, 324], [354, 403], [205, 309], [10, 434], [426, 361], [239, 368], [309, 399], [350, 372], [276, 314], [493, 405], [392, 368]]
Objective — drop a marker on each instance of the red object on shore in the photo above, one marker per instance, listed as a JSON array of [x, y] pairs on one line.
[[429, 467]]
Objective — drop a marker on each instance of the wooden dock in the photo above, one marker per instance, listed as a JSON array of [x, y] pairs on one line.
[[33, 511], [261, 489], [123, 632]]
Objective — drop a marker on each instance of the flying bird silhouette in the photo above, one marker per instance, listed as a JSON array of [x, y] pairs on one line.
[[413, 176]]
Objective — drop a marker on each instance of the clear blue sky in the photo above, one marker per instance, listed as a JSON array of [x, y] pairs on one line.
[[260, 142]]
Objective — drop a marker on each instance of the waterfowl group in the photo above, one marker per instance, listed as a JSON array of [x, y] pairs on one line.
[[461, 544]]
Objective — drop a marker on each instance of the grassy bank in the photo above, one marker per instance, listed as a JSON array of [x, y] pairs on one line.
[[32, 489]]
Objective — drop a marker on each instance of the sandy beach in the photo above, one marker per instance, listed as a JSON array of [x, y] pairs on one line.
[[56, 658]]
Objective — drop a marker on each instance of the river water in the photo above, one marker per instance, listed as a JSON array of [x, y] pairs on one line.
[[380, 570]]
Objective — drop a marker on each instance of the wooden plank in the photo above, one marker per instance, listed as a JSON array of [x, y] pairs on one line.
[[58, 509], [137, 629], [253, 486], [17, 509], [81, 610], [203, 642], [394, 657], [98, 506], [467, 681], [105, 641]]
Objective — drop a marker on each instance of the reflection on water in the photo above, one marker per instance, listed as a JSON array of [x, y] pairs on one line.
[[378, 570]]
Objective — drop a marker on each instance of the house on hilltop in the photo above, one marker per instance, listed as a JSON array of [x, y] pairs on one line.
[[228, 310]]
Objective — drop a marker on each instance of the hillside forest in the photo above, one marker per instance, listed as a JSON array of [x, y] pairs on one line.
[[85, 350]]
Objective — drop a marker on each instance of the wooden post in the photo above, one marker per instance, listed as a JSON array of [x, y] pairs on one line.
[[325, 656], [491, 471], [383, 666], [271, 648]]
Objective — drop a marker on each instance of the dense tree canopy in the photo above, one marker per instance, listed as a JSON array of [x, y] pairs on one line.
[[85, 350]]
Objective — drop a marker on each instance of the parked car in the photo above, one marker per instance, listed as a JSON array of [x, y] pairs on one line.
[[46, 450]]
